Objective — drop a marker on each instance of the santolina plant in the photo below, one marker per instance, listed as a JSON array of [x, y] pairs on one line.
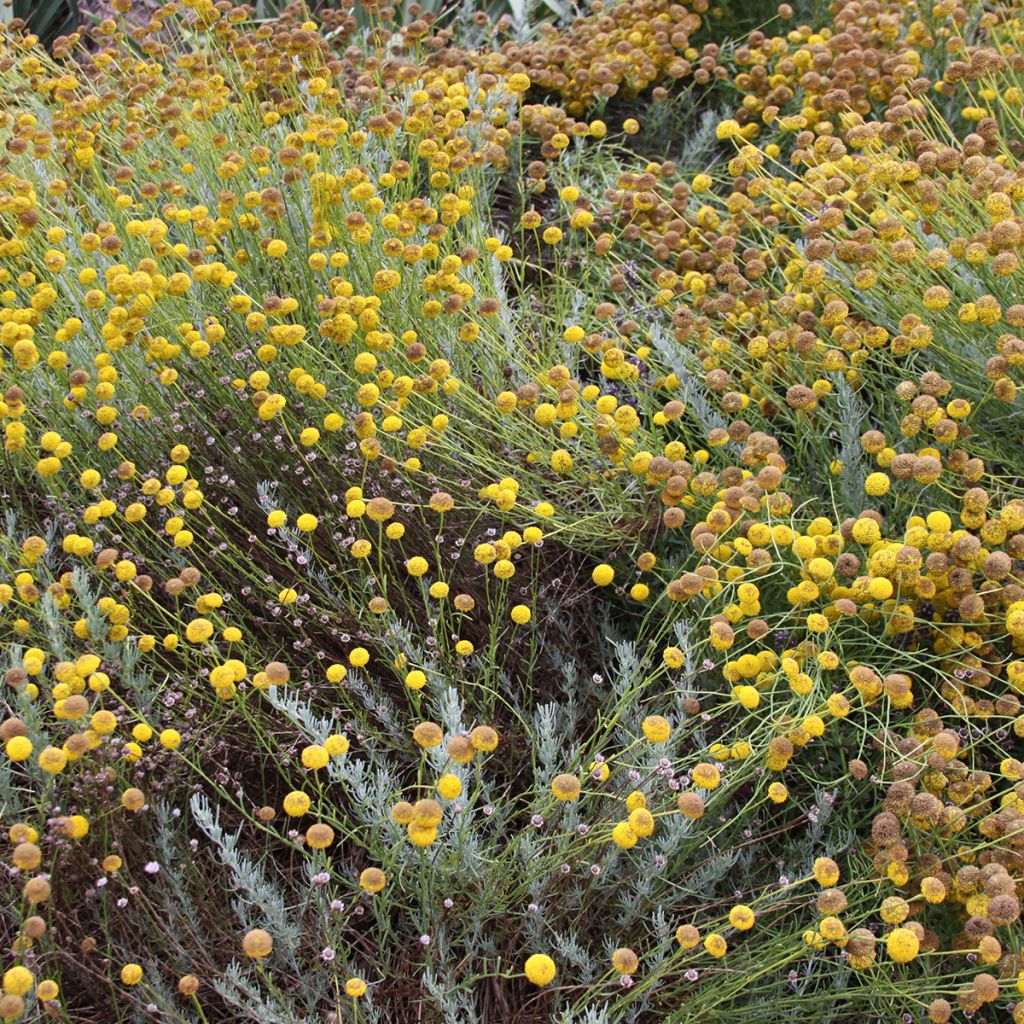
[[512, 523]]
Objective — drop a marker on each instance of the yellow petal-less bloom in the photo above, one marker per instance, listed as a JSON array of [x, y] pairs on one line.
[[641, 821], [623, 836], [427, 735], [296, 804], [741, 918], [47, 990], [257, 944], [131, 974], [520, 614], [484, 738], [336, 745], [372, 879], [449, 787], [877, 484], [314, 757], [656, 729], [902, 945], [565, 787], [199, 631], [319, 836], [18, 981], [706, 776], [18, 748], [625, 961], [826, 871], [540, 969]]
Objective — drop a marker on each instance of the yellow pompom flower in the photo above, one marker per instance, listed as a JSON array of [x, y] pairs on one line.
[[198, 631], [877, 484], [257, 944], [449, 787], [623, 836], [372, 880], [706, 776], [416, 566], [18, 981], [170, 739], [902, 945], [131, 974], [18, 748], [296, 804], [520, 614], [314, 757], [741, 917], [673, 657], [565, 787], [625, 961], [540, 969], [336, 745], [656, 729], [826, 872], [47, 990]]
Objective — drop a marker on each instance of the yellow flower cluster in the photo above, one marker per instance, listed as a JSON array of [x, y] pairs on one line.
[[439, 536]]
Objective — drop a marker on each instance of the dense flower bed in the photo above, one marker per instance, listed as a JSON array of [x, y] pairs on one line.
[[514, 523]]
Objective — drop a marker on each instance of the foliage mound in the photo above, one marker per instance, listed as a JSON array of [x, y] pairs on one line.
[[513, 521]]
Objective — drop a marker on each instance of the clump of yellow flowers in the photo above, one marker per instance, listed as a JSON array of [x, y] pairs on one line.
[[447, 544]]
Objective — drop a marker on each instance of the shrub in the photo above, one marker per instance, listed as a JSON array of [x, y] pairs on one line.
[[457, 568]]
